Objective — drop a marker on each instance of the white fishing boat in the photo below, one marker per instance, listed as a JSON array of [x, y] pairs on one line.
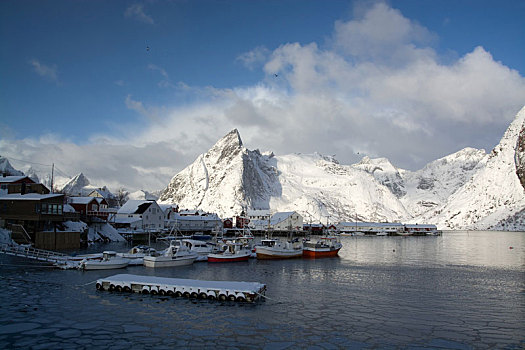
[[232, 252], [276, 249], [176, 254], [136, 254], [109, 261], [201, 248]]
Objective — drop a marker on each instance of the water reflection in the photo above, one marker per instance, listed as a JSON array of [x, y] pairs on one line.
[[471, 248]]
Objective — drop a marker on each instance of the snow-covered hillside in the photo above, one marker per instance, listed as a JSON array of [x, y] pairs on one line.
[[494, 197], [7, 169], [467, 189], [229, 177]]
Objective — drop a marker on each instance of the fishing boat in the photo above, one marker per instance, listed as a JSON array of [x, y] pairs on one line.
[[136, 254], [109, 261], [324, 247], [201, 248], [232, 251], [276, 249], [176, 254]]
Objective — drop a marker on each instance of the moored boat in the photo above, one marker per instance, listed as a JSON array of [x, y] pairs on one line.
[[109, 261], [201, 248], [175, 255], [327, 246], [276, 249], [232, 252]]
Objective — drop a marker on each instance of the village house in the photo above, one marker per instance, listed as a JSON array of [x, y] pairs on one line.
[[20, 184], [37, 219], [103, 192], [286, 221], [91, 209], [194, 221], [140, 215]]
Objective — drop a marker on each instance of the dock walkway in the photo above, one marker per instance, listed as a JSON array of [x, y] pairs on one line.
[[178, 287]]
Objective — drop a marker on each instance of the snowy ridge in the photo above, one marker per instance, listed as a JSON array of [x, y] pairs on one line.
[[465, 190], [7, 168], [494, 197]]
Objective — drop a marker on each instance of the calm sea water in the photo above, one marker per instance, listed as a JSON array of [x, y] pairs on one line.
[[463, 290]]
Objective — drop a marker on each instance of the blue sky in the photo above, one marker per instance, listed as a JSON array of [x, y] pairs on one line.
[[143, 87]]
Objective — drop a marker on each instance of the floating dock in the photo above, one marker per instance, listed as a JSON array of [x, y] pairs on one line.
[[177, 287]]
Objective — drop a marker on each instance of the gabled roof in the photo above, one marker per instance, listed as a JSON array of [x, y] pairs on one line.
[[13, 179], [135, 206], [30, 196], [280, 217], [81, 200]]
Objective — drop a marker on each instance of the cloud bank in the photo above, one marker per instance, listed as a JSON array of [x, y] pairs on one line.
[[376, 87]]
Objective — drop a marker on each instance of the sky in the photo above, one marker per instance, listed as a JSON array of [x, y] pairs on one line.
[[131, 92]]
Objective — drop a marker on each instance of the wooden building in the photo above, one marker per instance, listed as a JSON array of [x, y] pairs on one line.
[[38, 216]]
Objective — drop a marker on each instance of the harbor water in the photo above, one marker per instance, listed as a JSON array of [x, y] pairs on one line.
[[461, 290]]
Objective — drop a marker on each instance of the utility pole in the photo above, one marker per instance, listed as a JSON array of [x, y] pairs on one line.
[[52, 174]]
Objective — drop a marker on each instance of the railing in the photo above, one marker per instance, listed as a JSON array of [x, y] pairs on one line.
[[33, 253], [20, 230]]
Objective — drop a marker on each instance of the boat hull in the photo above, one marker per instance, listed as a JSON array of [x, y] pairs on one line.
[[105, 265], [320, 253], [161, 261], [231, 258], [264, 253]]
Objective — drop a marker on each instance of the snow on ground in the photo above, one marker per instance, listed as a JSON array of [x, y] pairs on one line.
[[5, 236], [104, 232]]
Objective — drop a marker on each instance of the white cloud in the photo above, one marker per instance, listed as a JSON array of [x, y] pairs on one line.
[[136, 11], [254, 58], [377, 88], [46, 71]]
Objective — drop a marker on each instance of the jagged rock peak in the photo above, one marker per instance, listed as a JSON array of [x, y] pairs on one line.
[[7, 168], [75, 185], [520, 153], [232, 138]]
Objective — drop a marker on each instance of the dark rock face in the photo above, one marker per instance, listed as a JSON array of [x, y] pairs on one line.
[[520, 156]]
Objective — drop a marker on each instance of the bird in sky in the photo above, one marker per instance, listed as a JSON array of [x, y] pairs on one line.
[[147, 48]]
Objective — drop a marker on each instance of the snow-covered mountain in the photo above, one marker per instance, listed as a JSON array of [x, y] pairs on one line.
[[230, 177], [7, 169], [431, 186], [75, 186], [493, 198], [467, 189]]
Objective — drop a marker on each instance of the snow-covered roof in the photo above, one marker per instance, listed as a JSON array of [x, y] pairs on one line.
[[81, 200], [103, 192], [280, 217], [11, 179], [165, 207], [258, 212], [135, 206], [30, 196]]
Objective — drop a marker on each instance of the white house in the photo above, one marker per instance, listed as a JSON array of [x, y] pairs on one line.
[[205, 222], [286, 221], [143, 215]]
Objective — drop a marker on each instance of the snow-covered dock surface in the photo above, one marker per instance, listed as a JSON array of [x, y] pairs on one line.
[[178, 287]]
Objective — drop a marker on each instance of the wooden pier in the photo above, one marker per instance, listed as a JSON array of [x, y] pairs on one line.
[[178, 287]]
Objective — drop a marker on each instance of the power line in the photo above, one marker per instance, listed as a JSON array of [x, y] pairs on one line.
[[27, 161]]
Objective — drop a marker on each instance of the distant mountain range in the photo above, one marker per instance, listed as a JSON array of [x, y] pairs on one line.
[[468, 189]]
